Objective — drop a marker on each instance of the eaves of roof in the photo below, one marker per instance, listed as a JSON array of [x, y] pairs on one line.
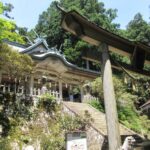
[[65, 62]]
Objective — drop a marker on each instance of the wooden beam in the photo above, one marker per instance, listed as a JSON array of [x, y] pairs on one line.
[[120, 66], [93, 34], [109, 100]]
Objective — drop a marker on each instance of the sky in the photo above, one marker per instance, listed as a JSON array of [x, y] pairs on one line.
[[26, 12]]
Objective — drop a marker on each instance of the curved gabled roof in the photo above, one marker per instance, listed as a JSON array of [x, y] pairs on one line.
[[60, 57]]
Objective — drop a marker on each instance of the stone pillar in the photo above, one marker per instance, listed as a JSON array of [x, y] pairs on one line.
[[31, 84], [110, 101], [60, 91]]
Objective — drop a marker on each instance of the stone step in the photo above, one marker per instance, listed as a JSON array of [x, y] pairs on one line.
[[99, 121]]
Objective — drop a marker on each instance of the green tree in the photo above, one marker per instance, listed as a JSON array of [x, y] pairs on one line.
[[8, 27], [8, 31], [14, 63], [138, 29], [49, 25], [6, 9]]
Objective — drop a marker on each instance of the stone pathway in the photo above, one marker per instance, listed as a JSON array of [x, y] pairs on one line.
[[99, 122]]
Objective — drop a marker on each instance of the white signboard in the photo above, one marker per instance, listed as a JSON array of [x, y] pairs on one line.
[[76, 141]]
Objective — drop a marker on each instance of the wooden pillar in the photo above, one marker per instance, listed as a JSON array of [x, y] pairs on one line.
[[87, 64], [109, 100], [31, 84], [60, 91], [81, 92], [70, 94]]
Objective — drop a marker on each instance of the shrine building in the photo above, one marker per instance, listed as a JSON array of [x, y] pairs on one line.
[[62, 79]]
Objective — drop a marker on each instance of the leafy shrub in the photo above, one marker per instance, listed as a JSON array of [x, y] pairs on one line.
[[53, 141], [48, 102], [69, 123], [75, 123], [97, 104]]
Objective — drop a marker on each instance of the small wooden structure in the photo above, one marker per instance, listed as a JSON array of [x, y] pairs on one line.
[[106, 41]]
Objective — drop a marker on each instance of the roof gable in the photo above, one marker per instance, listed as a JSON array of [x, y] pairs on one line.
[[39, 47]]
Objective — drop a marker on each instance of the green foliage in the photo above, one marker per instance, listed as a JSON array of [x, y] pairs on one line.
[[49, 131], [5, 9], [75, 123], [119, 87], [14, 63], [129, 117], [49, 25], [48, 102], [119, 58], [142, 91], [13, 110], [69, 123], [53, 141], [126, 99], [8, 28], [97, 104], [97, 88], [7, 31], [138, 29]]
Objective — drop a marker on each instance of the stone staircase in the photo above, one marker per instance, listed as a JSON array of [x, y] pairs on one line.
[[99, 122], [98, 125]]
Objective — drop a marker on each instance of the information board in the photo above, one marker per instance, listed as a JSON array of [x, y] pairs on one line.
[[76, 141]]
